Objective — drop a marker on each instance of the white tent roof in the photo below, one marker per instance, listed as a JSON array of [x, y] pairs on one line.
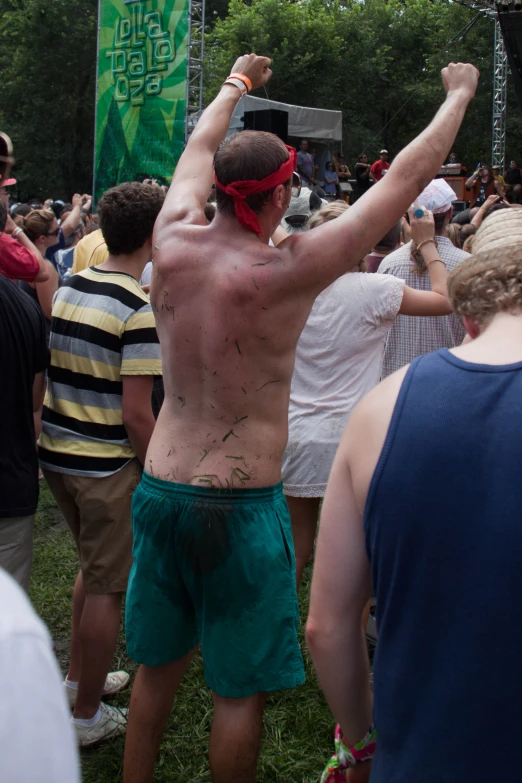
[[320, 124]]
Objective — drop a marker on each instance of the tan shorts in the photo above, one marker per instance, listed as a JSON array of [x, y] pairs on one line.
[[98, 512]]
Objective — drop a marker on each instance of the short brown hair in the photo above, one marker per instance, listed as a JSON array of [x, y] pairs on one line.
[[248, 155], [127, 215], [490, 281], [391, 239]]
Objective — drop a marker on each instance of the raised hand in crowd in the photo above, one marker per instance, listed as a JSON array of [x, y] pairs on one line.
[[461, 78], [480, 215], [422, 228], [255, 68], [71, 223]]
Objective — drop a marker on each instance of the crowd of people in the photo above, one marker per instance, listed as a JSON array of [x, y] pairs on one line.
[[193, 374]]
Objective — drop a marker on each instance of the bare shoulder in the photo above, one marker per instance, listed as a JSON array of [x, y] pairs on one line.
[[238, 268], [174, 219], [365, 433], [374, 412], [173, 240]]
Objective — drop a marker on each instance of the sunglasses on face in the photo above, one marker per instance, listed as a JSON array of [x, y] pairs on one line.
[[53, 233]]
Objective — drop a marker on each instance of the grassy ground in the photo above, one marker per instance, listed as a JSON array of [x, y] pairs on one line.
[[297, 726]]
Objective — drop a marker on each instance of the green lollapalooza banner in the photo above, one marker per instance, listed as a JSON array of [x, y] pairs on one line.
[[141, 93]]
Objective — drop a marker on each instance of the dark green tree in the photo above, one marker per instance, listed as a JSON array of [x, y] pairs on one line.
[[378, 61], [47, 91]]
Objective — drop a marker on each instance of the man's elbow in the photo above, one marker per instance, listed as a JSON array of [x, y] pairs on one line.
[[42, 275], [326, 629], [320, 633], [417, 177], [137, 417], [313, 633]]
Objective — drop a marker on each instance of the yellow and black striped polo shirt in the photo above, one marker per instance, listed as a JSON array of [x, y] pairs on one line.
[[102, 328]]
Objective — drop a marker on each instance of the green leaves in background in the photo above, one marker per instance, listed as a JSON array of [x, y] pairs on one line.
[[377, 61], [47, 84]]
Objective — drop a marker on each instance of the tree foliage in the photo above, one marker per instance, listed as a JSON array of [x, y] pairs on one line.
[[378, 61], [47, 88]]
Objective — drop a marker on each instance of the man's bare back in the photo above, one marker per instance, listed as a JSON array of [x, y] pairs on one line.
[[229, 308], [228, 320]]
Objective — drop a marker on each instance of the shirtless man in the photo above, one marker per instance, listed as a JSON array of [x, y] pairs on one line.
[[213, 551]]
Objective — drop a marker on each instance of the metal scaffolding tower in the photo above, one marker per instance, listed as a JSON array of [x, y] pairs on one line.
[[195, 53], [498, 135]]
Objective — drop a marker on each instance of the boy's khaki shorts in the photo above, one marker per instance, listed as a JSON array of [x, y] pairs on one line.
[[98, 512]]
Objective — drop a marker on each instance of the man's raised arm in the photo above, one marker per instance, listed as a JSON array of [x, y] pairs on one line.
[[192, 178], [332, 249]]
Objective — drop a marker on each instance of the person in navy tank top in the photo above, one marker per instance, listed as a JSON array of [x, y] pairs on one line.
[[424, 506]]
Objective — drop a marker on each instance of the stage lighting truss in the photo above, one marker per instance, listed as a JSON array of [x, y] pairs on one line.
[[498, 130], [498, 133], [195, 53]]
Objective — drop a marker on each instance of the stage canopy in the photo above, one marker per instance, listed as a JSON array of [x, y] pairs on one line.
[[323, 125]]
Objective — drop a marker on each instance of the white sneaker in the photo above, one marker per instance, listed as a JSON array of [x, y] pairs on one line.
[[115, 682], [112, 723]]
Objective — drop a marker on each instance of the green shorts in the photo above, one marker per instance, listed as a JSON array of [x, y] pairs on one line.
[[215, 567]]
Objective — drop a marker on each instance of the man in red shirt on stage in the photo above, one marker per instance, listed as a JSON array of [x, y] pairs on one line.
[[380, 166]]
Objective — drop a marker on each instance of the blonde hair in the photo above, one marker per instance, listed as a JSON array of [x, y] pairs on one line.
[[330, 212], [38, 223], [453, 233], [490, 281], [461, 235]]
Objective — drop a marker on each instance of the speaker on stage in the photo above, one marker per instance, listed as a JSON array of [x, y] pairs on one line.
[[511, 26], [459, 206], [270, 120]]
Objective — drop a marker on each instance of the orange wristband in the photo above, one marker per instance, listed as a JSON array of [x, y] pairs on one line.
[[241, 76]]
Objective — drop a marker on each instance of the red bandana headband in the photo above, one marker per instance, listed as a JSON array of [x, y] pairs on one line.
[[241, 189]]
